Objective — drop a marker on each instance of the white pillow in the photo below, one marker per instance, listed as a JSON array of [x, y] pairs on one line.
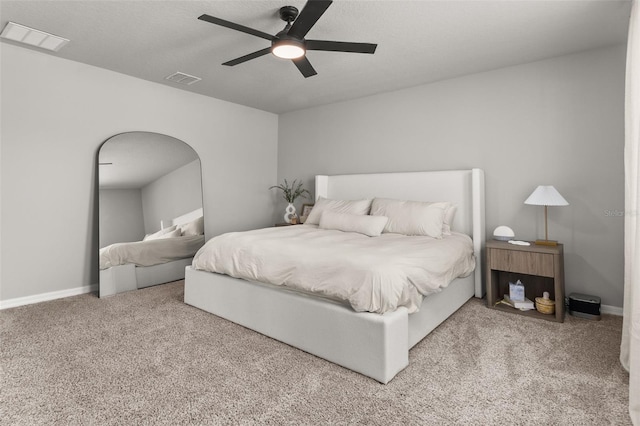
[[155, 236], [195, 227], [449, 214], [347, 222], [173, 234], [411, 217], [359, 207]]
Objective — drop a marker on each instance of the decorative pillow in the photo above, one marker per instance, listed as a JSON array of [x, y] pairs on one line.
[[411, 217], [357, 207], [172, 234], [449, 214], [347, 222], [159, 233], [195, 227]]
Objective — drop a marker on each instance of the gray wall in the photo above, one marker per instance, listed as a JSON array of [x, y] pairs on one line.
[[121, 218], [55, 114], [172, 195], [557, 121]]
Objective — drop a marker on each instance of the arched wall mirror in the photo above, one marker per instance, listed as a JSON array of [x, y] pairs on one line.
[[150, 210]]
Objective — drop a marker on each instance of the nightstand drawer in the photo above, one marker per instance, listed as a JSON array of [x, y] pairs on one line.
[[522, 262]]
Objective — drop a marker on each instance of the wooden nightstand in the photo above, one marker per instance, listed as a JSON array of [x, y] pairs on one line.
[[286, 224], [540, 268]]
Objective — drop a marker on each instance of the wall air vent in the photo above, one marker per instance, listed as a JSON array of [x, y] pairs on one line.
[[32, 37], [183, 78]]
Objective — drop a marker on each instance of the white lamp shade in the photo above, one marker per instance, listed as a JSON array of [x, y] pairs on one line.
[[546, 195]]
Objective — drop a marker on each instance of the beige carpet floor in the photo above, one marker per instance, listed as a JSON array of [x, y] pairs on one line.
[[145, 357]]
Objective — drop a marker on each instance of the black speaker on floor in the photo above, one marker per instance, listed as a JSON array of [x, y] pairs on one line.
[[584, 306]]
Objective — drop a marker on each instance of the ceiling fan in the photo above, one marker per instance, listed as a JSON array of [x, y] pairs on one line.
[[290, 42]]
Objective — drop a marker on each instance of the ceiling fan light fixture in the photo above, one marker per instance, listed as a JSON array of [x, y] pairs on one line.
[[290, 43], [288, 49]]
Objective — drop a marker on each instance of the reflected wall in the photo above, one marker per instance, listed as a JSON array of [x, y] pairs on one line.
[[145, 181]]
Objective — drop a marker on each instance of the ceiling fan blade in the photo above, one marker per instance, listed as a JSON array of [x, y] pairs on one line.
[[310, 14], [340, 46], [304, 66], [248, 57], [234, 26]]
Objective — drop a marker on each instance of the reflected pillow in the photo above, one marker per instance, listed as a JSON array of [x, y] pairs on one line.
[[357, 207], [173, 234], [346, 222], [195, 227], [161, 232], [411, 217]]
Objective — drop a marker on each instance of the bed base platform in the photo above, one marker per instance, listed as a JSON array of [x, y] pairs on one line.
[[131, 277], [371, 344]]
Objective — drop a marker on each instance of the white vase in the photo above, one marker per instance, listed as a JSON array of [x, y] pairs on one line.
[[289, 213]]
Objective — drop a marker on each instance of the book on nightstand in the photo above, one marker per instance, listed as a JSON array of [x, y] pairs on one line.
[[525, 305]]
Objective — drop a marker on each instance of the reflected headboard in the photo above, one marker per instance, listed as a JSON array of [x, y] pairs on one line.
[[187, 217], [463, 187]]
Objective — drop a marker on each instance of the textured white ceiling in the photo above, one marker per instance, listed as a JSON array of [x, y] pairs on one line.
[[418, 42], [139, 158]]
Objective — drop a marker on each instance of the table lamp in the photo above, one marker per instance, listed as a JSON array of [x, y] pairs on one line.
[[546, 195]]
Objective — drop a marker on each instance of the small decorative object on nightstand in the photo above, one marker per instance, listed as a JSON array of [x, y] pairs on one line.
[[544, 305], [290, 193], [546, 195], [539, 267], [503, 233], [306, 209]]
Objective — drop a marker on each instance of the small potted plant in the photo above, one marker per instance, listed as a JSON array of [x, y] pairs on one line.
[[290, 192]]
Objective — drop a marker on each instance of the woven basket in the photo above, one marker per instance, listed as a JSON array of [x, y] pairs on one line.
[[545, 306]]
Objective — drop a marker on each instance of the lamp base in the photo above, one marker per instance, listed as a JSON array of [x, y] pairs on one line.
[[546, 243]]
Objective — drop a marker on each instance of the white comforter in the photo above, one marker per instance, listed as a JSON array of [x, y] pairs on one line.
[[149, 253], [375, 274]]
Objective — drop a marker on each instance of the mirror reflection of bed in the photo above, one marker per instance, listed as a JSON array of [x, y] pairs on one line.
[[151, 216]]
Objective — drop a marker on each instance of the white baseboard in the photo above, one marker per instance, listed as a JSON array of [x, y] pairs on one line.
[[611, 310], [44, 297]]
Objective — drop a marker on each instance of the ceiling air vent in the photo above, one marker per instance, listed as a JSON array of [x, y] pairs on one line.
[[183, 78], [32, 37]]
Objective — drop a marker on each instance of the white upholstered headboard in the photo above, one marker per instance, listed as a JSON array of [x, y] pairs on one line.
[[463, 187]]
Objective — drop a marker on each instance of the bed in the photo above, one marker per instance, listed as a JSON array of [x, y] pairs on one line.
[[373, 344], [140, 264]]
